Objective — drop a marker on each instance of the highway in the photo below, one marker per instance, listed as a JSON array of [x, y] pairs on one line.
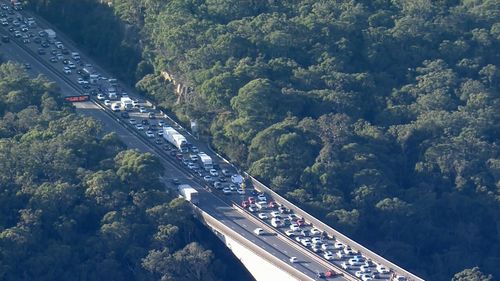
[[212, 203]]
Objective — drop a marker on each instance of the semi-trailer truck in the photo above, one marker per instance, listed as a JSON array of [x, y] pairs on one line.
[[176, 139]]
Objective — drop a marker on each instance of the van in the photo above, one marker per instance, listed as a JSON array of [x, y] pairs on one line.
[[75, 56], [259, 231]]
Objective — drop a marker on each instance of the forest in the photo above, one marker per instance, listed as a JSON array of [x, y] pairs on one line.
[[380, 117], [75, 205]]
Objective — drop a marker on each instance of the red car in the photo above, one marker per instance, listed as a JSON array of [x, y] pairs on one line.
[[300, 222], [331, 273], [251, 200], [272, 204], [244, 204]]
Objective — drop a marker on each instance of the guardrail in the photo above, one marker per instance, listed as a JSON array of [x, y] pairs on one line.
[[295, 244], [329, 230], [214, 223]]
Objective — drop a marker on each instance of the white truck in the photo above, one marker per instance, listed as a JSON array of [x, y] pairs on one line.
[[176, 139], [189, 193], [127, 103], [205, 161]]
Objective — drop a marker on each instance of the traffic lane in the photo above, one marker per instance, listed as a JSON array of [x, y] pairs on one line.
[[17, 54], [270, 243], [147, 148]]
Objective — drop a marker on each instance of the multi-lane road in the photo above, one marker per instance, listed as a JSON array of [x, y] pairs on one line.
[[214, 204]]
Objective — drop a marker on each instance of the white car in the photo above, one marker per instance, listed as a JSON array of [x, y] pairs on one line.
[[101, 97], [316, 240], [194, 149], [276, 214], [67, 70], [349, 252], [259, 231], [315, 231], [294, 227], [131, 121], [365, 268], [329, 256], [263, 216], [214, 172], [382, 269], [142, 109], [139, 127], [226, 191], [251, 209], [150, 134], [315, 248], [289, 232], [345, 265], [339, 245], [107, 102], [233, 186], [207, 178], [294, 259], [326, 247], [306, 242], [240, 191], [193, 157], [80, 80], [262, 197]]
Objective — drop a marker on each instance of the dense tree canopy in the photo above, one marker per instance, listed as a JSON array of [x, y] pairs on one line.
[[74, 205], [373, 115]]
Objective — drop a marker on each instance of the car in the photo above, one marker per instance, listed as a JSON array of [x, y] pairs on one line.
[[315, 248], [345, 265], [338, 245], [294, 259], [222, 179], [191, 165], [328, 256], [245, 204], [185, 161], [132, 121], [330, 273], [300, 222], [226, 172], [272, 204], [262, 197], [275, 214], [107, 102], [226, 191], [151, 115], [161, 123], [213, 172], [5, 39], [304, 232], [240, 191], [42, 52], [251, 209], [263, 216], [80, 80], [283, 210], [194, 149], [251, 200], [103, 97], [150, 134], [207, 178], [71, 65], [320, 275], [160, 133], [316, 240], [382, 269], [315, 231], [233, 187], [365, 268], [294, 227], [193, 157], [158, 141], [349, 252], [218, 185], [139, 127], [125, 115], [258, 231], [289, 233], [145, 122], [306, 242], [142, 109], [367, 277]]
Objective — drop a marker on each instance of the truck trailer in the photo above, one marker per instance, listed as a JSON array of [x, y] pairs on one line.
[[205, 161], [176, 139], [188, 193]]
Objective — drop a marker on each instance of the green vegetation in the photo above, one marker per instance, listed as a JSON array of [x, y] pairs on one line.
[[74, 205], [380, 117]]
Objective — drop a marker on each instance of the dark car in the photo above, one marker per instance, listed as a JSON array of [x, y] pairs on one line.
[[145, 122], [64, 51], [125, 115], [320, 275], [5, 39], [37, 40], [41, 51]]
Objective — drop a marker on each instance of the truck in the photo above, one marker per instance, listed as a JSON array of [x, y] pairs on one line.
[[188, 193], [127, 103], [175, 138], [205, 161], [51, 34]]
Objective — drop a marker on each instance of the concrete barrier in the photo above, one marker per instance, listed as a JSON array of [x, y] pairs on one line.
[[329, 230]]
